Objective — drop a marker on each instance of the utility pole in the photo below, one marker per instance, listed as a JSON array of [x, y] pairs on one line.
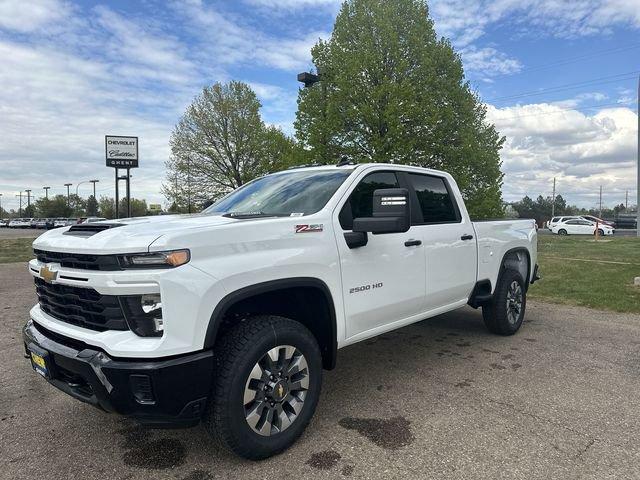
[[0, 206], [638, 160], [20, 209], [46, 192], [28, 190], [68, 199], [600, 215], [94, 187], [553, 199], [626, 200]]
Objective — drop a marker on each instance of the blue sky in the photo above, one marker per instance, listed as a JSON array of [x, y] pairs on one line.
[[559, 79]]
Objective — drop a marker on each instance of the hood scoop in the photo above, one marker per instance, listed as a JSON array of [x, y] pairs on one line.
[[89, 229]]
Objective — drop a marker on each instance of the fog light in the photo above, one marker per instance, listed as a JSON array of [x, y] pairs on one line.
[[144, 314]]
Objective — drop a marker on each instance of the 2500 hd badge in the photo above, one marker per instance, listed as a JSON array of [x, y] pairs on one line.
[[364, 288]]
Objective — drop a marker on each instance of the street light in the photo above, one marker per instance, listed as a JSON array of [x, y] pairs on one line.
[[46, 192], [68, 200], [94, 186], [308, 78], [0, 206]]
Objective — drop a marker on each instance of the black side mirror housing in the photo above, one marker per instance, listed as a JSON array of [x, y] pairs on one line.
[[391, 213]]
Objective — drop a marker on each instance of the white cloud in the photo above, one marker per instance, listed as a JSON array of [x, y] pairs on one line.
[[489, 61], [24, 17], [582, 151]]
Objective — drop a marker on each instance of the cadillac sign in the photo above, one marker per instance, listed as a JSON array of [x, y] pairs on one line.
[[121, 152]]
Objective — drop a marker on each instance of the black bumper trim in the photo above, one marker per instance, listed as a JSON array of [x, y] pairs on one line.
[[181, 384]]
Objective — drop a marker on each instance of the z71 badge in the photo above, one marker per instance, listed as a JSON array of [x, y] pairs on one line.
[[317, 227]]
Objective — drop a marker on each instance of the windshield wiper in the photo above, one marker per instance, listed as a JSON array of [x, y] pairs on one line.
[[252, 214]]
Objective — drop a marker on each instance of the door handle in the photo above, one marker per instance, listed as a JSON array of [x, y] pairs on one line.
[[412, 243], [466, 237]]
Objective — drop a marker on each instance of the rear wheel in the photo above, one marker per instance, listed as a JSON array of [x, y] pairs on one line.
[[562, 231], [268, 376], [505, 313]]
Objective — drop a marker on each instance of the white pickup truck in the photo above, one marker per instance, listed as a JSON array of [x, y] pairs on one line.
[[230, 316]]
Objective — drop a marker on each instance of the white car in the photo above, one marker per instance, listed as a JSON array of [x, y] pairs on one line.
[[230, 316], [580, 226], [93, 219], [20, 223], [555, 220]]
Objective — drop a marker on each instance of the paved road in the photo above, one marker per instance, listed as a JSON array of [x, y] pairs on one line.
[[439, 399]]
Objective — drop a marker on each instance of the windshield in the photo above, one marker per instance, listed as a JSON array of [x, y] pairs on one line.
[[282, 194]]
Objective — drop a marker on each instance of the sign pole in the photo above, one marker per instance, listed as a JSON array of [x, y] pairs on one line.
[[117, 199], [128, 194]]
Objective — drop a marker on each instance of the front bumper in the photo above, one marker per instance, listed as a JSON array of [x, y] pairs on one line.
[[165, 392]]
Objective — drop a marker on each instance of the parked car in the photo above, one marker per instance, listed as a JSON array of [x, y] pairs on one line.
[[580, 226], [41, 223], [4, 222], [627, 220], [600, 221], [93, 219], [60, 222], [555, 220], [20, 223], [278, 275]]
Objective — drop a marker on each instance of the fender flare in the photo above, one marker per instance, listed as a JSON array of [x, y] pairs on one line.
[[243, 293], [504, 256]]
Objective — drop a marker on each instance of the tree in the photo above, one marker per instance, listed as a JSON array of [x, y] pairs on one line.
[[30, 211], [53, 207], [220, 143], [138, 208], [107, 209], [92, 206], [390, 91]]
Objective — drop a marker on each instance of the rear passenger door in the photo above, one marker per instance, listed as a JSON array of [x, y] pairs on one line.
[[449, 241]]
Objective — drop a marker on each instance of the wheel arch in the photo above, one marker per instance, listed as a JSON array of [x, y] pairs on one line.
[[519, 259], [307, 300]]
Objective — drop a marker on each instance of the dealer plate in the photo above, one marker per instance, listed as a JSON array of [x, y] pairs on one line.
[[39, 364]]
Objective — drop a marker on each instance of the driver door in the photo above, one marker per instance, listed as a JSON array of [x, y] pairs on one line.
[[385, 280]]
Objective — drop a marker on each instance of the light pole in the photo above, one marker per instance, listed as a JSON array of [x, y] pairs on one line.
[[20, 209], [0, 206], [28, 190], [309, 80], [80, 183], [638, 159], [68, 199], [46, 192], [94, 187]]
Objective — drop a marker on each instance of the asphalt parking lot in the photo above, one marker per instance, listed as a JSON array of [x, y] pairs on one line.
[[439, 399]]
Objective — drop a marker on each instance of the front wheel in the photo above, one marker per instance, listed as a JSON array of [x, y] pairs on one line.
[[562, 231], [268, 377], [600, 232], [505, 313]]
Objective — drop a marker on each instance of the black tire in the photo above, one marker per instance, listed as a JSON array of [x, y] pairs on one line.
[[239, 351], [562, 231], [600, 232], [496, 314]]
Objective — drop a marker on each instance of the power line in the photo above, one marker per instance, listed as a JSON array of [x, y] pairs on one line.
[[569, 86]]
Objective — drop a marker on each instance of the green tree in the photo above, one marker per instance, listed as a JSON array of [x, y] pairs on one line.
[[53, 207], [30, 211], [106, 206], [220, 143], [390, 91], [138, 208], [92, 206]]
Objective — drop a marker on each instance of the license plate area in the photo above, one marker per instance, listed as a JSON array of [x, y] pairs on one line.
[[40, 360]]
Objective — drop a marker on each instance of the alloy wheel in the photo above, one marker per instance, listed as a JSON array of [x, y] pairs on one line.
[[275, 390], [514, 302]]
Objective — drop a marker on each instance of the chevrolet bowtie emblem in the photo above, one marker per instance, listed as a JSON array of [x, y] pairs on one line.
[[47, 274]]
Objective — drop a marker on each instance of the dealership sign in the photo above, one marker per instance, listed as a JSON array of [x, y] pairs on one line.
[[121, 152]]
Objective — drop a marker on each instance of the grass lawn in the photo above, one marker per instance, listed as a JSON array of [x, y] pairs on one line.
[[15, 250], [577, 270]]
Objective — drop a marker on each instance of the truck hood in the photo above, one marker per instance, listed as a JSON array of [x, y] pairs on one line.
[[127, 235]]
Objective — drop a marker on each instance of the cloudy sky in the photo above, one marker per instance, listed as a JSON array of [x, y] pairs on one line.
[[559, 79]]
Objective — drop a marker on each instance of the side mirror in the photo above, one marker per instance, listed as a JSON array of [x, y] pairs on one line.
[[391, 212]]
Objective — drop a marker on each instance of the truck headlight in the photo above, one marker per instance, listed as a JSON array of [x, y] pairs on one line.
[[143, 314], [168, 259]]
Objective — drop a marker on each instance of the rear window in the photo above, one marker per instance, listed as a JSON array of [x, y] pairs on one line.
[[434, 198]]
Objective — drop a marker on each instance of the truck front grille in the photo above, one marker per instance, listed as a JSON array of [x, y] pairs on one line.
[[84, 307], [79, 261]]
